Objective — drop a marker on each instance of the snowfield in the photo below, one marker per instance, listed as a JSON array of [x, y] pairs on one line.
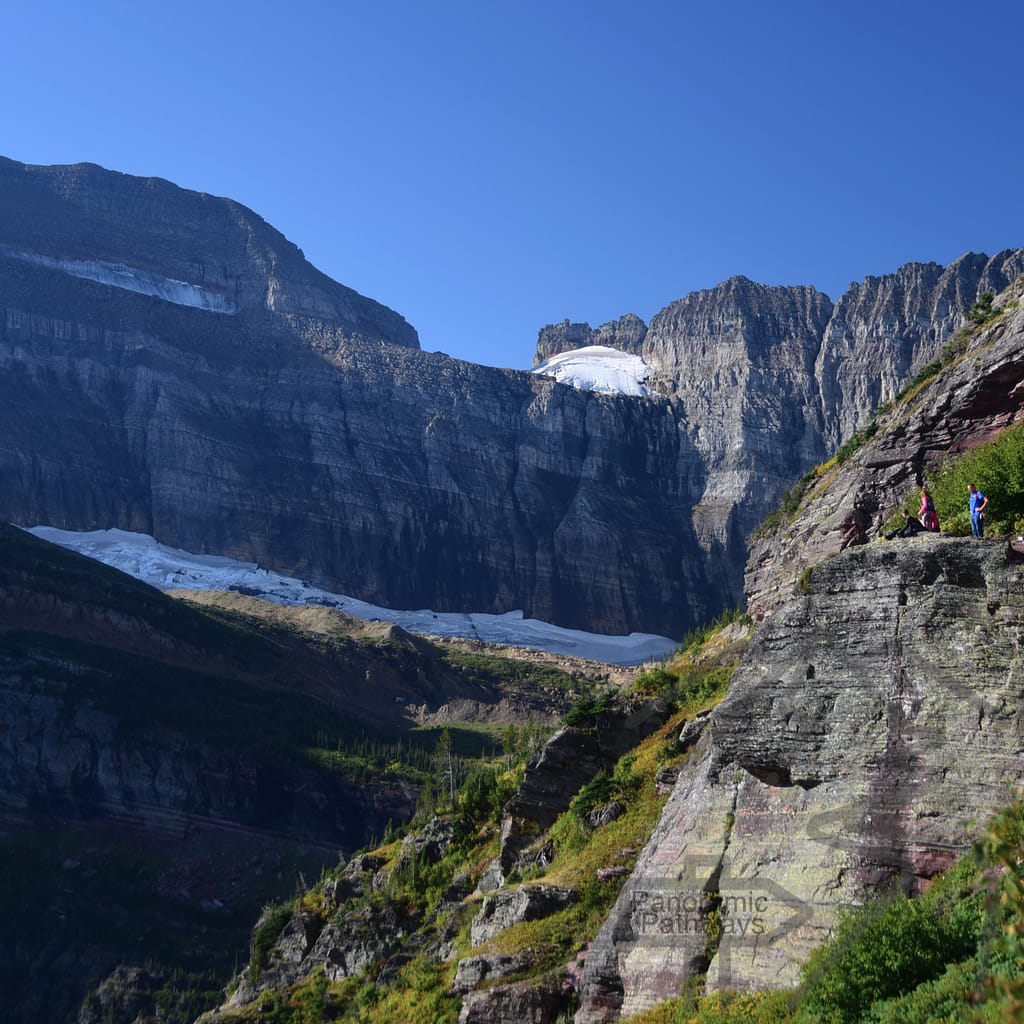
[[117, 275], [598, 368], [139, 555]]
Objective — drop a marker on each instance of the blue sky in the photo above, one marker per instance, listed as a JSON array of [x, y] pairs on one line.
[[486, 169]]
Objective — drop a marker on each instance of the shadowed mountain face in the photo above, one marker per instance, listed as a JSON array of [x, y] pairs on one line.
[[171, 364], [312, 446], [145, 233], [165, 770]]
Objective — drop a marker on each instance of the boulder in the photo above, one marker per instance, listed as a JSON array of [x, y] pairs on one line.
[[507, 907]]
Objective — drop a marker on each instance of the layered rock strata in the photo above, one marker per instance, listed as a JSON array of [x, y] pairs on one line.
[[147, 235], [399, 477], [873, 725], [774, 379], [967, 404], [171, 364]]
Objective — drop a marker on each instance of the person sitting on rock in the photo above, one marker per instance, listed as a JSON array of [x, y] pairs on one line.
[[911, 527]]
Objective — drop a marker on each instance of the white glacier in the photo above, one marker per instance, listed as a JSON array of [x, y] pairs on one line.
[[139, 555], [118, 275], [598, 368]]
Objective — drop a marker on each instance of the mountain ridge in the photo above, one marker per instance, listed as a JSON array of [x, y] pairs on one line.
[[296, 433]]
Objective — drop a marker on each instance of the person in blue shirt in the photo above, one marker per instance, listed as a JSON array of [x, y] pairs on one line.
[[978, 505]]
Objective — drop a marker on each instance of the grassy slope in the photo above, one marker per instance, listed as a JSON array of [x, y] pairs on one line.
[[418, 990]]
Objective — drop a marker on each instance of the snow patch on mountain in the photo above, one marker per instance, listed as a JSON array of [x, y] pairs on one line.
[[118, 275], [598, 368], [139, 555]]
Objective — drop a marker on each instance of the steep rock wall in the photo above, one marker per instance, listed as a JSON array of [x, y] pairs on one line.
[[886, 328], [397, 476], [873, 725], [292, 422], [86, 214], [774, 379]]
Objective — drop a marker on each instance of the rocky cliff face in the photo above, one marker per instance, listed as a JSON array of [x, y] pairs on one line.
[[774, 379], [872, 727], [886, 328], [171, 364], [870, 730], [626, 334], [740, 358], [964, 406], [394, 475], [145, 234]]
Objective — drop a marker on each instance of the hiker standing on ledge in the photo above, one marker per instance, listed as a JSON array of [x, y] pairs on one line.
[[978, 505]]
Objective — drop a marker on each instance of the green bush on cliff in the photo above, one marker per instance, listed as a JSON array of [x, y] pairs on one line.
[[997, 469], [267, 931], [583, 714], [700, 635], [687, 686], [887, 948]]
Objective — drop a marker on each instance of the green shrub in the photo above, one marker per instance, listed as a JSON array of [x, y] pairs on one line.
[[856, 442], [586, 709], [268, 930], [885, 949], [948, 997], [983, 310], [485, 792], [657, 682], [997, 468], [597, 791], [699, 635], [803, 583], [687, 686]]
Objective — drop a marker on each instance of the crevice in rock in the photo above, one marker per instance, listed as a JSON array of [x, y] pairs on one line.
[[775, 775], [713, 905], [779, 776], [883, 853]]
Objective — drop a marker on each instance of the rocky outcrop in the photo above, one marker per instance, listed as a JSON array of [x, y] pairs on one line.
[[513, 905], [473, 971], [965, 405], [127, 993], [871, 728], [530, 1002], [627, 333], [554, 775], [344, 947]]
